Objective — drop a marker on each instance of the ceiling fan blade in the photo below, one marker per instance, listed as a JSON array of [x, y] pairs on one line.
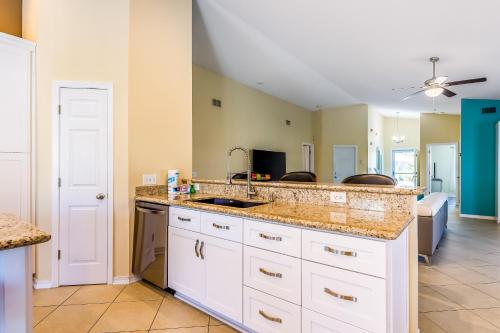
[[411, 95], [448, 93], [456, 83]]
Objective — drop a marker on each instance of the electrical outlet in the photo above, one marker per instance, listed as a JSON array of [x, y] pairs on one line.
[[339, 197], [149, 179]]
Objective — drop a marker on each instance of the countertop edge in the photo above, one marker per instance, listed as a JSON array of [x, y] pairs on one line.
[[386, 189]]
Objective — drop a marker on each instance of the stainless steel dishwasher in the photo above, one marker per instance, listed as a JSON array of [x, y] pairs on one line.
[[150, 253]]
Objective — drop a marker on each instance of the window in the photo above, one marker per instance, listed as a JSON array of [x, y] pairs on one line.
[[404, 166]]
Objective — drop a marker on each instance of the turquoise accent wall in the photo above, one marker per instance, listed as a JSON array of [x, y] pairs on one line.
[[478, 162]]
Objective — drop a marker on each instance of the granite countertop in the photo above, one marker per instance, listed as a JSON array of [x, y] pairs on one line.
[[388, 189], [382, 225], [16, 233]]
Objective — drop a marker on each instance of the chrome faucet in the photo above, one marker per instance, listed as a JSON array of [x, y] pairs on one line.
[[250, 190]]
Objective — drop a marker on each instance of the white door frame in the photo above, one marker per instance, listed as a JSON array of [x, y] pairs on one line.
[[355, 156], [56, 94], [428, 167], [311, 158]]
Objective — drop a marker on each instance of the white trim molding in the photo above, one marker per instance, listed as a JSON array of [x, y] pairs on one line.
[[56, 91], [125, 279], [42, 284], [479, 217]]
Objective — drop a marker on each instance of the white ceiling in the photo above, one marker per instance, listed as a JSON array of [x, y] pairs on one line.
[[326, 53]]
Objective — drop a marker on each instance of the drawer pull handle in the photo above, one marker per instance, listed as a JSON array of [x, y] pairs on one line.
[[274, 238], [196, 248], [276, 275], [268, 317], [218, 226], [183, 219], [342, 253], [344, 297]]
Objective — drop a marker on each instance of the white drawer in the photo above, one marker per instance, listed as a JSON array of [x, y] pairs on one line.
[[354, 298], [222, 226], [355, 254], [184, 218], [273, 273], [264, 313], [273, 237], [313, 322]]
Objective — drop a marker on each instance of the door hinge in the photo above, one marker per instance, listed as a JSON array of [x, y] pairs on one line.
[[58, 254], [59, 182], [59, 109]]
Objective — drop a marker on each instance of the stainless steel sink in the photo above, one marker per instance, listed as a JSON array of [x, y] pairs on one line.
[[229, 202]]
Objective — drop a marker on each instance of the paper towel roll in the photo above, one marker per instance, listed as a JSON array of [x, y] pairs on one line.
[[172, 180]]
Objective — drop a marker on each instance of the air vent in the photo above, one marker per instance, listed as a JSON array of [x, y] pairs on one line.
[[489, 110]]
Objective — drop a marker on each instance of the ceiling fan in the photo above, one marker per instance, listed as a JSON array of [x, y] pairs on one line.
[[437, 85]]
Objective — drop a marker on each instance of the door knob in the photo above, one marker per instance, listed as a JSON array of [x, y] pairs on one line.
[[100, 196]]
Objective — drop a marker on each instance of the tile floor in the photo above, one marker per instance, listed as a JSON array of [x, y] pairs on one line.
[[135, 308], [460, 291]]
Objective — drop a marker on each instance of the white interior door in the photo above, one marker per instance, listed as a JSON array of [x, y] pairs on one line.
[[83, 186], [308, 157], [344, 162]]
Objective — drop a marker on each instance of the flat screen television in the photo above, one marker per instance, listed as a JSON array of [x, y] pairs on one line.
[[271, 162]]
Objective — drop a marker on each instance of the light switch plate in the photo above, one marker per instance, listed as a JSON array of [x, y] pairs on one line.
[[149, 179], [339, 197]]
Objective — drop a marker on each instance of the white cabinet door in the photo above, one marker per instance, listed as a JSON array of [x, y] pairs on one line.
[[15, 96], [15, 184], [223, 276], [185, 266]]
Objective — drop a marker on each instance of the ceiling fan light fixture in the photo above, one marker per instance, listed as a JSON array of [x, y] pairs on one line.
[[434, 92]]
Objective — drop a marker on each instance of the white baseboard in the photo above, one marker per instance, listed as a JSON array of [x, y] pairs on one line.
[[479, 217], [42, 284], [125, 279]]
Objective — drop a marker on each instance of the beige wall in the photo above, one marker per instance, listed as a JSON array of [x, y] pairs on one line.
[[11, 17], [88, 40], [247, 118], [375, 138], [437, 128], [339, 126], [407, 127]]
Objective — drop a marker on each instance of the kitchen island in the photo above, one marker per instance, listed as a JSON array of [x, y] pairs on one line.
[[298, 261], [16, 236]]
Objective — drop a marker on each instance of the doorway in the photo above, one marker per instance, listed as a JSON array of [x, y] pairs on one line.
[[345, 159], [84, 211], [442, 169], [308, 157], [404, 166]]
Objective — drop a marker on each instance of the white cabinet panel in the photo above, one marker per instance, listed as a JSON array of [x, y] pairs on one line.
[[185, 218], [222, 226], [355, 298], [15, 97], [355, 254], [223, 276], [264, 313], [273, 237], [15, 184], [273, 273], [185, 266], [313, 322]]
